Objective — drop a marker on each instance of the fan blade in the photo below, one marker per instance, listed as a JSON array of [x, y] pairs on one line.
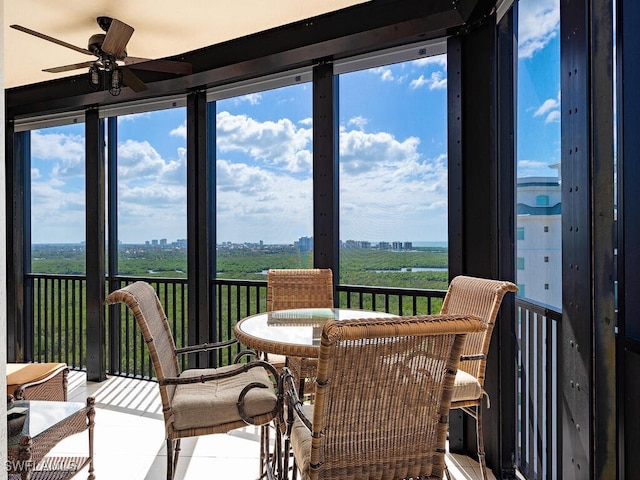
[[168, 66], [132, 81], [51, 39], [67, 68], [116, 39]]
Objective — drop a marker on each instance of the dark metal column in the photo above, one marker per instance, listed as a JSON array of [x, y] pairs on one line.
[[17, 184], [587, 343], [95, 246], [481, 110], [326, 238], [628, 168], [473, 205], [212, 212], [503, 353], [455, 155], [112, 244], [199, 301]]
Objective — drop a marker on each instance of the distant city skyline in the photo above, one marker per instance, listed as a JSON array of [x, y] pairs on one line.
[[441, 243]]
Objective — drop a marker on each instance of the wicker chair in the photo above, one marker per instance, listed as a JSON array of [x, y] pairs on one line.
[[298, 288], [480, 297], [383, 391], [38, 381], [198, 401]]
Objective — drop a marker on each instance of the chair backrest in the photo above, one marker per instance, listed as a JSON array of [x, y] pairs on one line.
[[299, 288], [143, 301], [481, 297], [383, 394]]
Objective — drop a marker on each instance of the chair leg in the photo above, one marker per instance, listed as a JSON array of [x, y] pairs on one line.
[[264, 449], [447, 475], [169, 459], [173, 451], [271, 466], [481, 459]]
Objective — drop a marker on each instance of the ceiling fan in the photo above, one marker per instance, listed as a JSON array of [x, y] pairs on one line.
[[109, 48]]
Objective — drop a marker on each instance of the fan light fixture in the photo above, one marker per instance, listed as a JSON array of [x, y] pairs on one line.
[[94, 76], [111, 73], [116, 82]]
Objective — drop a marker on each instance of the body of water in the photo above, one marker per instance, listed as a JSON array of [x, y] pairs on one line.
[[415, 269]]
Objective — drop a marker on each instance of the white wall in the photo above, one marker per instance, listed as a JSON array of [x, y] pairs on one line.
[[3, 268]]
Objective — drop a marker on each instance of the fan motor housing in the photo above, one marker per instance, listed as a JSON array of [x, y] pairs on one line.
[[95, 46], [95, 43]]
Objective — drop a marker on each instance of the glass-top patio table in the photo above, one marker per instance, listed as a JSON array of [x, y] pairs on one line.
[[36, 426], [295, 332]]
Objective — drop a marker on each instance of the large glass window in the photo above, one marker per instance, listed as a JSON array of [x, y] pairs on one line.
[[539, 209], [58, 200], [393, 174], [264, 183], [152, 194], [538, 150]]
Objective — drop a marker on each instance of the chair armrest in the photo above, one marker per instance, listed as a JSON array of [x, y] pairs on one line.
[[204, 347], [292, 401], [241, 368], [245, 353]]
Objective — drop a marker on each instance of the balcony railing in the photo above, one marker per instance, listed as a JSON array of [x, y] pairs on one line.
[[59, 325], [59, 319], [537, 329]]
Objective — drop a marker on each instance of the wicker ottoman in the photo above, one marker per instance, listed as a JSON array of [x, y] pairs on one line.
[[37, 381]]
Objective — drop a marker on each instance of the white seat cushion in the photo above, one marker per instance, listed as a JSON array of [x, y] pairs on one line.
[[465, 387], [214, 403]]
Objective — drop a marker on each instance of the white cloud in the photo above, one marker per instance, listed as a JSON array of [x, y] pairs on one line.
[[258, 204], [549, 108], [387, 189], [133, 116], [278, 142], [359, 122], [138, 160], [65, 150], [385, 73], [57, 212], [553, 117], [438, 60], [539, 24], [419, 82], [436, 81], [250, 98], [180, 131], [151, 193], [547, 105]]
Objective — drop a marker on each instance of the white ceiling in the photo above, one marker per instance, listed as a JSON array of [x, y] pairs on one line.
[[162, 28]]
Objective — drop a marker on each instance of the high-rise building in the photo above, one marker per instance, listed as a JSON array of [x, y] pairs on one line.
[[305, 244], [539, 240]]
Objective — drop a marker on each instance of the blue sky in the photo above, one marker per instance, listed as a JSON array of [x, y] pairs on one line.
[[393, 155]]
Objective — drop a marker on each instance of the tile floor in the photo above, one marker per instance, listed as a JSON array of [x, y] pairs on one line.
[[129, 439]]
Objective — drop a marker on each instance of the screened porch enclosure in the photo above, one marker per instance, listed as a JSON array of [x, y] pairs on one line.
[[296, 166]]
